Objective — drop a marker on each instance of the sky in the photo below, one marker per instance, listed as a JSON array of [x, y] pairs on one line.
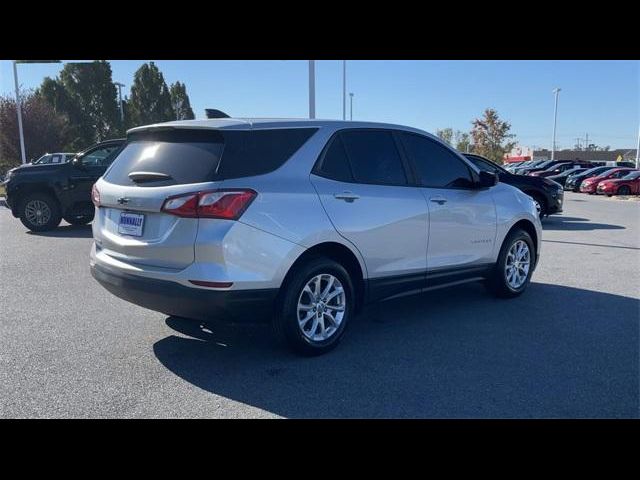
[[600, 98]]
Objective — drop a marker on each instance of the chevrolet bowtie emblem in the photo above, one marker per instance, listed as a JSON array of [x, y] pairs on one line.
[[123, 200]]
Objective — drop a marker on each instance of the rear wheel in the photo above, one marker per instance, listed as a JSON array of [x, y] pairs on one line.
[[39, 212], [316, 305], [624, 190], [512, 272]]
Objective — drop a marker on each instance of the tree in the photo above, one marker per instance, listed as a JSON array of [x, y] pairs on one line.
[[491, 137], [446, 135], [86, 95], [44, 129], [180, 102], [150, 100], [462, 141]]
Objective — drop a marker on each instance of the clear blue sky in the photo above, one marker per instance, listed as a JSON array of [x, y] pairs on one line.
[[601, 98]]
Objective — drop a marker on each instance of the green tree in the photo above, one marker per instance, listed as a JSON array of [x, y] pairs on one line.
[[86, 95], [44, 129], [491, 137], [446, 134], [150, 100], [462, 141], [180, 102]]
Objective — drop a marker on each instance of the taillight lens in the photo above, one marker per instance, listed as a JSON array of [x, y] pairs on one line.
[[224, 204], [95, 195]]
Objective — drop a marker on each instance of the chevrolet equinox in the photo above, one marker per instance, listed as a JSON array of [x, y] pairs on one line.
[[301, 222]]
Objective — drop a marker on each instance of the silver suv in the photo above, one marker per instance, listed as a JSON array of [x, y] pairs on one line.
[[301, 222]]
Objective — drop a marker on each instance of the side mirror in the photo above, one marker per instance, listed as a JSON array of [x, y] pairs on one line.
[[487, 179]]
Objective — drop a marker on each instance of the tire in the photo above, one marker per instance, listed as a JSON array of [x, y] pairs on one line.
[[543, 204], [39, 212], [79, 219], [298, 335], [498, 282], [624, 190]]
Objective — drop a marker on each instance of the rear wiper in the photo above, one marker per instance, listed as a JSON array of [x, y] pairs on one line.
[[141, 177]]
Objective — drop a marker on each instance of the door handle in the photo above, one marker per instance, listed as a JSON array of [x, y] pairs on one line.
[[346, 196], [439, 200]]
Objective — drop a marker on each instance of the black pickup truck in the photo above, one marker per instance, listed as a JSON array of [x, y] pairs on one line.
[[42, 195]]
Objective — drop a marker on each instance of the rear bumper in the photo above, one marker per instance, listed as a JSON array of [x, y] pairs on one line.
[[171, 298]]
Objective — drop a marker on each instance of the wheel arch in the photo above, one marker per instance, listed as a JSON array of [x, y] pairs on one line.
[[528, 227], [339, 253]]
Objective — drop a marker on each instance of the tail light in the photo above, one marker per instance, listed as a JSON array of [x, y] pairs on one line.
[[95, 195], [224, 204]]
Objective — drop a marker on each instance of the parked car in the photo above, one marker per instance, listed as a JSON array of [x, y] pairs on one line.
[[561, 178], [521, 169], [547, 195], [543, 166], [53, 158], [574, 181], [589, 185], [559, 168], [301, 222], [41, 195], [627, 185]]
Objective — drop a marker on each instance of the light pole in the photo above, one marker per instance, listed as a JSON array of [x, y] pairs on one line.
[[556, 91], [351, 106], [120, 85], [638, 150], [344, 90], [18, 103], [312, 89]]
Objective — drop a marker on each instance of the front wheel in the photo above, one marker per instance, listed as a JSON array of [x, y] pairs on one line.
[[512, 272], [541, 205], [624, 190], [316, 305], [40, 212]]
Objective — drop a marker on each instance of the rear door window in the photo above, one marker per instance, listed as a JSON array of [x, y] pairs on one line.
[[335, 164], [374, 157]]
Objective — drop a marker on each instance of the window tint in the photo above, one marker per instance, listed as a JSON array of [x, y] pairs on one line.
[[437, 166], [374, 157], [335, 164], [256, 152], [482, 164], [100, 157], [195, 156]]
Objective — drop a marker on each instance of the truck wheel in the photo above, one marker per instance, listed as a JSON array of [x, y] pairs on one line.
[[39, 212]]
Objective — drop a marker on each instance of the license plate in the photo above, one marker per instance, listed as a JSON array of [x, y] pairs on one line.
[[131, 224]]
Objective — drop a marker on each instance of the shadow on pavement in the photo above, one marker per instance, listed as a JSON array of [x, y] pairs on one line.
[[559, 222], [66, 231], [553, 352]]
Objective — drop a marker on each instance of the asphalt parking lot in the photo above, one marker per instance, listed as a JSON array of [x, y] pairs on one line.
[[569, 347]]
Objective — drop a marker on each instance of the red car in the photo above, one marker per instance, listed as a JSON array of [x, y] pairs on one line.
[[627, 185], [589, 185]]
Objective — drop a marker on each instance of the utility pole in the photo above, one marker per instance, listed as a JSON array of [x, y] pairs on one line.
[[586, 141], [344, 89], [312, 89], [19, 109], [120, 85], [556, 91], [638, 150], [351, 106]]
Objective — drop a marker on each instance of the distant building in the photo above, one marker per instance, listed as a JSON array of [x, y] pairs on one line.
[[618, 155]]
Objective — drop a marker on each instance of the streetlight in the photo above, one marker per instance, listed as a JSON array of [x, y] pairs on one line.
[[344, 89], [312, 89], [120, 85], [351, 106], [18, 105], [556, 91], [638, 150]]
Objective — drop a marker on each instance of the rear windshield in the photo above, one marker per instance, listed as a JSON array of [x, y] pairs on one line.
[[181, 156]]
